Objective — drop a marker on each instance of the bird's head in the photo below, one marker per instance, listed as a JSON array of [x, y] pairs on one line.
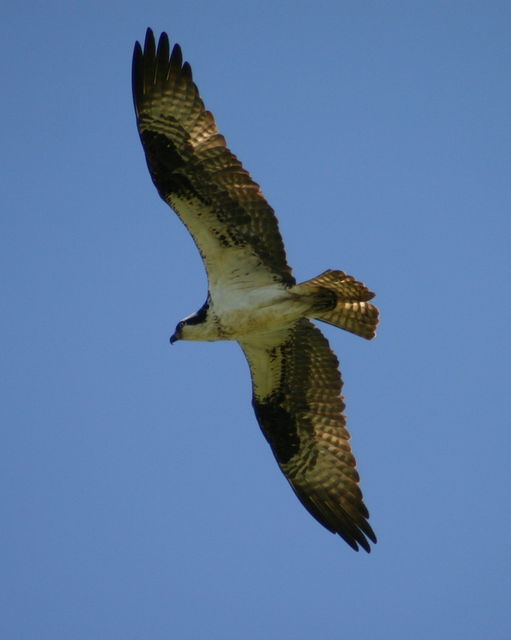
[[193, 327], [178, 333]]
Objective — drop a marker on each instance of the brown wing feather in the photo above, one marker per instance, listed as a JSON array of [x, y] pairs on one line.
[[193, 170], [297, 401]]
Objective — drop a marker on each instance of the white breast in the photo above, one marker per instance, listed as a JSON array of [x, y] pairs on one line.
[[244, 311]]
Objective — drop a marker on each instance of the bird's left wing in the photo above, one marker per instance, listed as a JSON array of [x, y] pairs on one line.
[[233, 226], [297, 402]]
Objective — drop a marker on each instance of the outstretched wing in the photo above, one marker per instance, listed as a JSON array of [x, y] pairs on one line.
[[297, 402], [195, 173]]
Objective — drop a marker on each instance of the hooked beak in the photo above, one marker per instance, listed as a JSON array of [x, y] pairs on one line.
[[177, 333]]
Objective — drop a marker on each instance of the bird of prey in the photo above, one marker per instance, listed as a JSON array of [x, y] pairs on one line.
[[253, 297]]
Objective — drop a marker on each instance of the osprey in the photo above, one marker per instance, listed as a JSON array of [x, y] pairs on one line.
[[253, 297]]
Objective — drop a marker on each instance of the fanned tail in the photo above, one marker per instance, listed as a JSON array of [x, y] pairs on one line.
[[342, 301]]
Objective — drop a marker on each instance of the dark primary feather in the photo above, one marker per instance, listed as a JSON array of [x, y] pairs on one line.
[[188, 160], [296, 398]]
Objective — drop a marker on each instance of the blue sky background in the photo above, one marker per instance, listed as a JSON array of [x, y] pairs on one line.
[[139, 499]]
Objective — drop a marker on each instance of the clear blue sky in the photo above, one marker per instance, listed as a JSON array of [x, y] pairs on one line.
[[139, 498]]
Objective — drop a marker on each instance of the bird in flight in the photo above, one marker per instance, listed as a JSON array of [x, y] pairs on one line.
[[253, 297]]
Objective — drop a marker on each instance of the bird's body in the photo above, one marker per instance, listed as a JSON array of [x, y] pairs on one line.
[[243, 311], [253, 297]]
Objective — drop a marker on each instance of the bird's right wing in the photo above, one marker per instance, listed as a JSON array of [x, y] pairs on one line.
[[297, 402]]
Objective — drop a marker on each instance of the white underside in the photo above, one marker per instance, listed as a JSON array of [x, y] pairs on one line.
[[235, 314], [245, 299]]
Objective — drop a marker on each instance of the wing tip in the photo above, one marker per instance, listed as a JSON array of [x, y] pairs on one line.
[[152, 63], [358, 540], [137, 80], [357, 535], [149, 43], [162, 51], [176, 57]]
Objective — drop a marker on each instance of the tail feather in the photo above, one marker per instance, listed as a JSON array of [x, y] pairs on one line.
[[343, 302], [360, 318]]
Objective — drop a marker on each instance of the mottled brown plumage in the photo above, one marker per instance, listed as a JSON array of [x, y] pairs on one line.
[[188, 160], [303, 422], [252, 296], [350, 309]]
